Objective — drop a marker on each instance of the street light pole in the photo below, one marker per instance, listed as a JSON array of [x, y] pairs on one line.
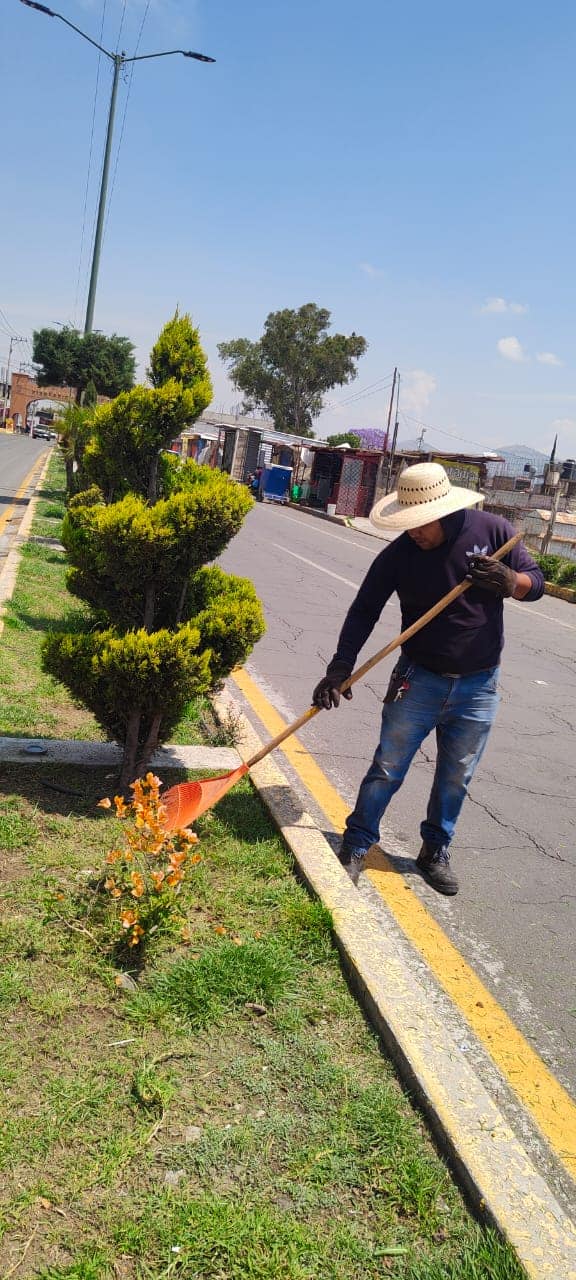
[[119, 60]]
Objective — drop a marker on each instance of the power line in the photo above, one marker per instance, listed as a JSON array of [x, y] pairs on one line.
[[121, 25], [372, 388], [9, 330], [127, 99], [441, 431]]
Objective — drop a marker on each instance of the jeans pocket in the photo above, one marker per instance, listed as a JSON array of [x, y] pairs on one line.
[[399, 680]]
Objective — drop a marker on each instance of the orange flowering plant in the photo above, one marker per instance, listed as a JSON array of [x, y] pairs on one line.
[[145, 874]]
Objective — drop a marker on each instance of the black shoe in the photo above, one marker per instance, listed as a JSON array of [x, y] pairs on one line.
[[435, 867], [353, 863]]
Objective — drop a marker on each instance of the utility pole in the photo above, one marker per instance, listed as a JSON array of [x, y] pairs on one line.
[[387, 436], [394, 438], [555, 500], [118, 60], [6, 389], [553, 513]]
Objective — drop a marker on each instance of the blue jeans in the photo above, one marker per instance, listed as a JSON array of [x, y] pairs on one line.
[[461, 709]]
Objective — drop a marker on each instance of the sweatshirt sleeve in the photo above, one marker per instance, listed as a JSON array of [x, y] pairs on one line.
[[365, 610], [521, 560]]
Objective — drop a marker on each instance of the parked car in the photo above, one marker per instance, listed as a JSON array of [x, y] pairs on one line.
[[43, 433]]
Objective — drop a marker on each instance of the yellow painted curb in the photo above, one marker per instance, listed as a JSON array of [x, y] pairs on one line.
[[544, 1097], [561, 593]]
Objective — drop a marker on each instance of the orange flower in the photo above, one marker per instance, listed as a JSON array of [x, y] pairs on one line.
[[196, 857], [158, 879], [114, 855], [104, 804], [220, 930], [128, 918], [174, 878], [121, 806], [138, 883], [136, 935]]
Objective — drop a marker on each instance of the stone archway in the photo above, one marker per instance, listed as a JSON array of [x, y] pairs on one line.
[[25, 389]]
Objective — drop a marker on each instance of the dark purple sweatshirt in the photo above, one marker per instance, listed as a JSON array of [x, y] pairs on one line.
[[469, 635]]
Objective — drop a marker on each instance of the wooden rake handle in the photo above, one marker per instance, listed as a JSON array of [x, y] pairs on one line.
[[382, 653]]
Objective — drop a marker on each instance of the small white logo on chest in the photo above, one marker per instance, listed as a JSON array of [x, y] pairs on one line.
[[478, 551]]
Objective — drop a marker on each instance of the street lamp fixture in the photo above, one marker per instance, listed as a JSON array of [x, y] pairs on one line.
[[119, 60]]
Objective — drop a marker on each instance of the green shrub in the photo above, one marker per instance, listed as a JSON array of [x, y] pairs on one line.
[[165, 629], [566, 576], [549, 565], [139, 675]]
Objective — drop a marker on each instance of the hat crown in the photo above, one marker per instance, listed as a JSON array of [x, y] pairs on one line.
[[424, 482]]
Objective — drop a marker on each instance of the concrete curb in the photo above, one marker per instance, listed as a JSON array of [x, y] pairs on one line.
[[99, 755], [497, 1172], [561, 593]]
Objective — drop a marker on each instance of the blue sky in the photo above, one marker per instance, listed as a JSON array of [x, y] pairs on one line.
[[410, 167]]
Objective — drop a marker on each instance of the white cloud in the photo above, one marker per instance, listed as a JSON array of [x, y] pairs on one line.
[[416, 388], [512, 349], [564, 424], [548, 357], [370, 270], [498, 306]]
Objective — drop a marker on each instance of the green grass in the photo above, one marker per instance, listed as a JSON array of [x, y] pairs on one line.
[[235, 1118], [242, 1069]]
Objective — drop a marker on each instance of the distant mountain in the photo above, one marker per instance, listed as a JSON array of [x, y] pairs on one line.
[[518, 456], [522, 450]]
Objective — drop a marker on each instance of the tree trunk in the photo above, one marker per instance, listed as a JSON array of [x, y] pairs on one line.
[[181, 603], [129, 769], [150, 746], [69, 477], [149, 602], [153, 480]]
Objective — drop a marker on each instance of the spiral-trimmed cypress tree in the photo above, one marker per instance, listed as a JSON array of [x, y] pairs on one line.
[[165, 627]]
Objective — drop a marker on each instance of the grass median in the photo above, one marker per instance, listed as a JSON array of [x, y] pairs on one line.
[[230, 1115]]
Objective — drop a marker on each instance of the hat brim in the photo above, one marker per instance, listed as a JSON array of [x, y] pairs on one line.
[[388, 513]]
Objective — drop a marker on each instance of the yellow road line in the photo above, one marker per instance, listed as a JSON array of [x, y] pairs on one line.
[[22, 490], [528, 1076]]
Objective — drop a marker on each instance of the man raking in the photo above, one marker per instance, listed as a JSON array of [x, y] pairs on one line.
[[447, 676]]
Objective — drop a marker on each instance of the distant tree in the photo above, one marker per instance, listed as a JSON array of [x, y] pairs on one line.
[[74, 430], [345, 437], [371, 437], [295, 362], [67, 358]]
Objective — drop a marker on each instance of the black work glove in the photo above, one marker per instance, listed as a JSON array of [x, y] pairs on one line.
[[327, 691], [492, 575]]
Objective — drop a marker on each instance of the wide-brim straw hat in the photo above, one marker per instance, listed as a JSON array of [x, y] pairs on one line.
[[424, 493]]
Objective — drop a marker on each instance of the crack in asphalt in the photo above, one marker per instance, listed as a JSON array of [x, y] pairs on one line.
[[510, 826]]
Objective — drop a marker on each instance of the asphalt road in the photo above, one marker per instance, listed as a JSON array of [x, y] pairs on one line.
[[17, 455], [515, 853]]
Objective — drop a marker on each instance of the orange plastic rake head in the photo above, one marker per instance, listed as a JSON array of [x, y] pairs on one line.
[[185, 803]]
